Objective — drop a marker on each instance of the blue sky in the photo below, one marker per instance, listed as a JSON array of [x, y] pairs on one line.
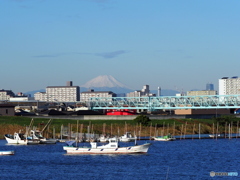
[[174, 44]]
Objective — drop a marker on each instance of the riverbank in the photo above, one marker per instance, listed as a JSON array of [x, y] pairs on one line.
[[156, 127]]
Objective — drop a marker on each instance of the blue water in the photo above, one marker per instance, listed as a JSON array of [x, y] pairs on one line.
[[180, 159]]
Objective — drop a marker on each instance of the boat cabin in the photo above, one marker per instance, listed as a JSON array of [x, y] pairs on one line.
[[113, 143], [127, 135]]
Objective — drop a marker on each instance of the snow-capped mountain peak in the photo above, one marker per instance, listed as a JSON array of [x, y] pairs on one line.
[[104, 81]]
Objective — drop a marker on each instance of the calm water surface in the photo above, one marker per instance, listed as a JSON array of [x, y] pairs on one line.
[[180, 159]]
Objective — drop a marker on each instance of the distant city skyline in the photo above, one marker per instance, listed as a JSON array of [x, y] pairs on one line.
[[178, 45], [100, 83]]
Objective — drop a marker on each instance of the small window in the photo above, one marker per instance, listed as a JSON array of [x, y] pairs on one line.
[[6, 111]]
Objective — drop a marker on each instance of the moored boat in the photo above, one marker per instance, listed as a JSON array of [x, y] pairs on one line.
[[165, 138], [103, 138], [38, 136], [127, 137], [111, 148], [19, 138], [6, 152], [216, 135], [16, 138], [34, 136]]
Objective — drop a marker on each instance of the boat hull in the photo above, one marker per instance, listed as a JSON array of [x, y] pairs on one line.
[[15, 141], [48, 141], [121, 150], [164, 139], [33, 142], [214, 135], [6, 152]]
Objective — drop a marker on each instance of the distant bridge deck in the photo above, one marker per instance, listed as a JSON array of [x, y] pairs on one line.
[[167, 102]]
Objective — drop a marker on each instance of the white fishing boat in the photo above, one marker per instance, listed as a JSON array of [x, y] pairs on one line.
[[127, 137], [6, 152], [111, 148], [34, 136], [17, 138], [43, 140], [165, 138]]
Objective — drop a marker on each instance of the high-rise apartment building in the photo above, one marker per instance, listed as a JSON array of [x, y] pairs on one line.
[[229, 86], [66, 93]]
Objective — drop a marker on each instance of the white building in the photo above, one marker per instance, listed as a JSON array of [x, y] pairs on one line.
[[41, 96], [87, 95], [5, 95], [21, 99], [66, 93], [229, 86]]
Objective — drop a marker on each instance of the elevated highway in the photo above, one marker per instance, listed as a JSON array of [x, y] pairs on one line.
[[167, 102]]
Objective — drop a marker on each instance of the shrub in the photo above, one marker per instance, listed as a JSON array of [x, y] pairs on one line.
[[226, 119], [143, 119]]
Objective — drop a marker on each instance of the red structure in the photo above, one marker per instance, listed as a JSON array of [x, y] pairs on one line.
[[120, 112]]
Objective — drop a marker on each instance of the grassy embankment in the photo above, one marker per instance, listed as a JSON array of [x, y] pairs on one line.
[[9, 125]]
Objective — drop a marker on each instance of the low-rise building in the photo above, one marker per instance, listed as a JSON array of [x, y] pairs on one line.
[[7, 110], [20, 99], [87, 95], [5, 95], [202, 111], [201, 93]]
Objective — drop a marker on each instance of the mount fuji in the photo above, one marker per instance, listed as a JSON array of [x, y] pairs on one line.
[[109, 83], [105, 83]]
